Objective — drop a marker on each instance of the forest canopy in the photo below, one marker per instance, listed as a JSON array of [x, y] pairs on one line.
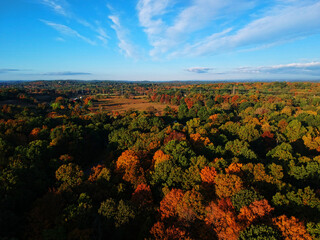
[[202, 161]]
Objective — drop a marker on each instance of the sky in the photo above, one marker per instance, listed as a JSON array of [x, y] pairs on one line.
[[160, 40]]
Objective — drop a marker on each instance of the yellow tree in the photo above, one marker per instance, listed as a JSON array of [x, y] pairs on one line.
[[128, 164], [228, 185]]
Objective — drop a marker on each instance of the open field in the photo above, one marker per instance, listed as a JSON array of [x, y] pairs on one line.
[[121, 104]]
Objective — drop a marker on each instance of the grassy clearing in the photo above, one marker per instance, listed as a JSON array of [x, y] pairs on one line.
[[121, 104]]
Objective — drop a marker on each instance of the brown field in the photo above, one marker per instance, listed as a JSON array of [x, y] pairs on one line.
[[121, 104]]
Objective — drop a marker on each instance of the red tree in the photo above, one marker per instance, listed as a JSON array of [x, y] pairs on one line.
[[168, 205]]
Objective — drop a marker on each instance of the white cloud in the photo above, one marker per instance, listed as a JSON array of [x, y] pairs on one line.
[[289, 23], [102, 39], [61, 7], [286, 24], [199, 69], [97, 28], [125, 46], [307, 70], [56, 6], [67, 73], [311, 68], [65, 30], [115, 20], [178, 28], [150, 12], [281, 21], [102, 34], [195, 17], [60, 39], [199, 15], [8, 70]]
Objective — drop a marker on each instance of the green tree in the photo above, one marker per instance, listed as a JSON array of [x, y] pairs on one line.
[[69, 175], [193, 124], [314, 229], [203, 114], [295, 130], [4, 150], [124, 214], [249, 133], [240, 148], [181, 152], [260, 232], [108, 209], [81, 212], [183, 111], [281, 152], [244, 198]]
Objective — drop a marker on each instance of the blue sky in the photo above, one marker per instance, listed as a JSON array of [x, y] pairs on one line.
[[159, 39]]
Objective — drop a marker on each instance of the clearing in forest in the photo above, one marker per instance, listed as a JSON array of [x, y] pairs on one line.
[[121, 104]]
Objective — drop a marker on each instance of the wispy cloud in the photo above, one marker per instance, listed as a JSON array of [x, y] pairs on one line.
[[61, 7], [286, 24], [65, 30], [8, 70], [95, 27], [177, 28], [102, 35], [150, 12], [124, 44], [199, 15], [67, 73], [281, 21], [199, 69], [56, 6], [292, 70], [311, 68], [60, 39]]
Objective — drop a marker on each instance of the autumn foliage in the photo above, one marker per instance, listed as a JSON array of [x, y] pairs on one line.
[[160, 232], [142, 196], [168, 206], [223, 219], [223, 161], [208, 175], [291, 228], [227, 185], [254, 211], [128, 165], [160, 157]]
